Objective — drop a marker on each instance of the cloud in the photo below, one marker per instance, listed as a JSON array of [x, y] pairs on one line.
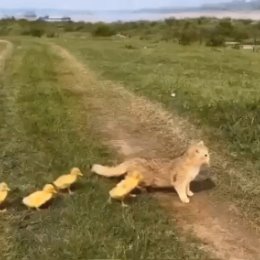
[[97, 4]]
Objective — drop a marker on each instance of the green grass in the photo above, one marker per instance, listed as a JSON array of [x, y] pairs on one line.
[[217, 89], [42, 136]]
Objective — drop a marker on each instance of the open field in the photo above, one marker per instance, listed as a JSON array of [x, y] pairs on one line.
[[216, 89], [73, 102], [219, 86], [43, 134]]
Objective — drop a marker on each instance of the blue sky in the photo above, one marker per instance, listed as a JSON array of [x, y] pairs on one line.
[[100, 4]]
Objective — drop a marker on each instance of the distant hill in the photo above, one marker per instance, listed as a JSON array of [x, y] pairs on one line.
[[42, 11], [166, 10], [235, 5], [232, 5]]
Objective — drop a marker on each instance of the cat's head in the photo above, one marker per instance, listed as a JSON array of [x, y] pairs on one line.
[[199, 153]]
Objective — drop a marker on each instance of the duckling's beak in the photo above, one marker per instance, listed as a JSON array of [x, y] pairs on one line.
[[8, 189], [80, 174]]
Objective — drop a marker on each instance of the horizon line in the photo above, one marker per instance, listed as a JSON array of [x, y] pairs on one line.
[[100, 10]]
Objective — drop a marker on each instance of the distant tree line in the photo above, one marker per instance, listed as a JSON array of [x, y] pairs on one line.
[[203, 30]]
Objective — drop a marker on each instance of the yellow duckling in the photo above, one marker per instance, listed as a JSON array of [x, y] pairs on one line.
[[39, 198], [65, 181], [4, 189], [124, 187]]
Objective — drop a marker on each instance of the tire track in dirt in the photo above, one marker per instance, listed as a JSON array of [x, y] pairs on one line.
[[134, 126], [5, 54], [5, 247]]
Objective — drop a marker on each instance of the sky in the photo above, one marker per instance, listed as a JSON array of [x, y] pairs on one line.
[[100, 4]]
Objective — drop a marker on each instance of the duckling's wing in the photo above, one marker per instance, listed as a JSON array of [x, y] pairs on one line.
[[64, 181], [123, 188], [121, 183], [30, 200], [129, 185], [132, 184], [37, 199], [3, 195], [117, 193]]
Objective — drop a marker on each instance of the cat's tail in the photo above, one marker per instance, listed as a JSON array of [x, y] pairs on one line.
[[107, 171]]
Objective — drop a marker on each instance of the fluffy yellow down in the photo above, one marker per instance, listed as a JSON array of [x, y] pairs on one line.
[[39, 198]]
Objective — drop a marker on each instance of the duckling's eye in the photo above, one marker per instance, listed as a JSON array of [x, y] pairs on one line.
[[206, 155], [197, 151]]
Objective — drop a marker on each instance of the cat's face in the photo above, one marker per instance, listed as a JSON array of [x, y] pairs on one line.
[[199, 153]]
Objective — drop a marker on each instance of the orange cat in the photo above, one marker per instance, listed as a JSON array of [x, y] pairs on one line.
[[164, 173]]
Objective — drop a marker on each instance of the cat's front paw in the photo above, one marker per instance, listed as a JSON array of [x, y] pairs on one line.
[[190, 193], [185, 200]]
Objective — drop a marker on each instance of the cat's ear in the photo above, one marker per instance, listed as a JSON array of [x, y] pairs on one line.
[[200, 143]]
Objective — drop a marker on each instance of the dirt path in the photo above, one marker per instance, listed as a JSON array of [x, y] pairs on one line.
[[135, 126], [5, 53], [4, 226]]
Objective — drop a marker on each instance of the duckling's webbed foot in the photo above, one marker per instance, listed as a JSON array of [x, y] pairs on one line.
[[124, 205]]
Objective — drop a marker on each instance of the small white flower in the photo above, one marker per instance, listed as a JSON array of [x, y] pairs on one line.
[[173, 94]]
